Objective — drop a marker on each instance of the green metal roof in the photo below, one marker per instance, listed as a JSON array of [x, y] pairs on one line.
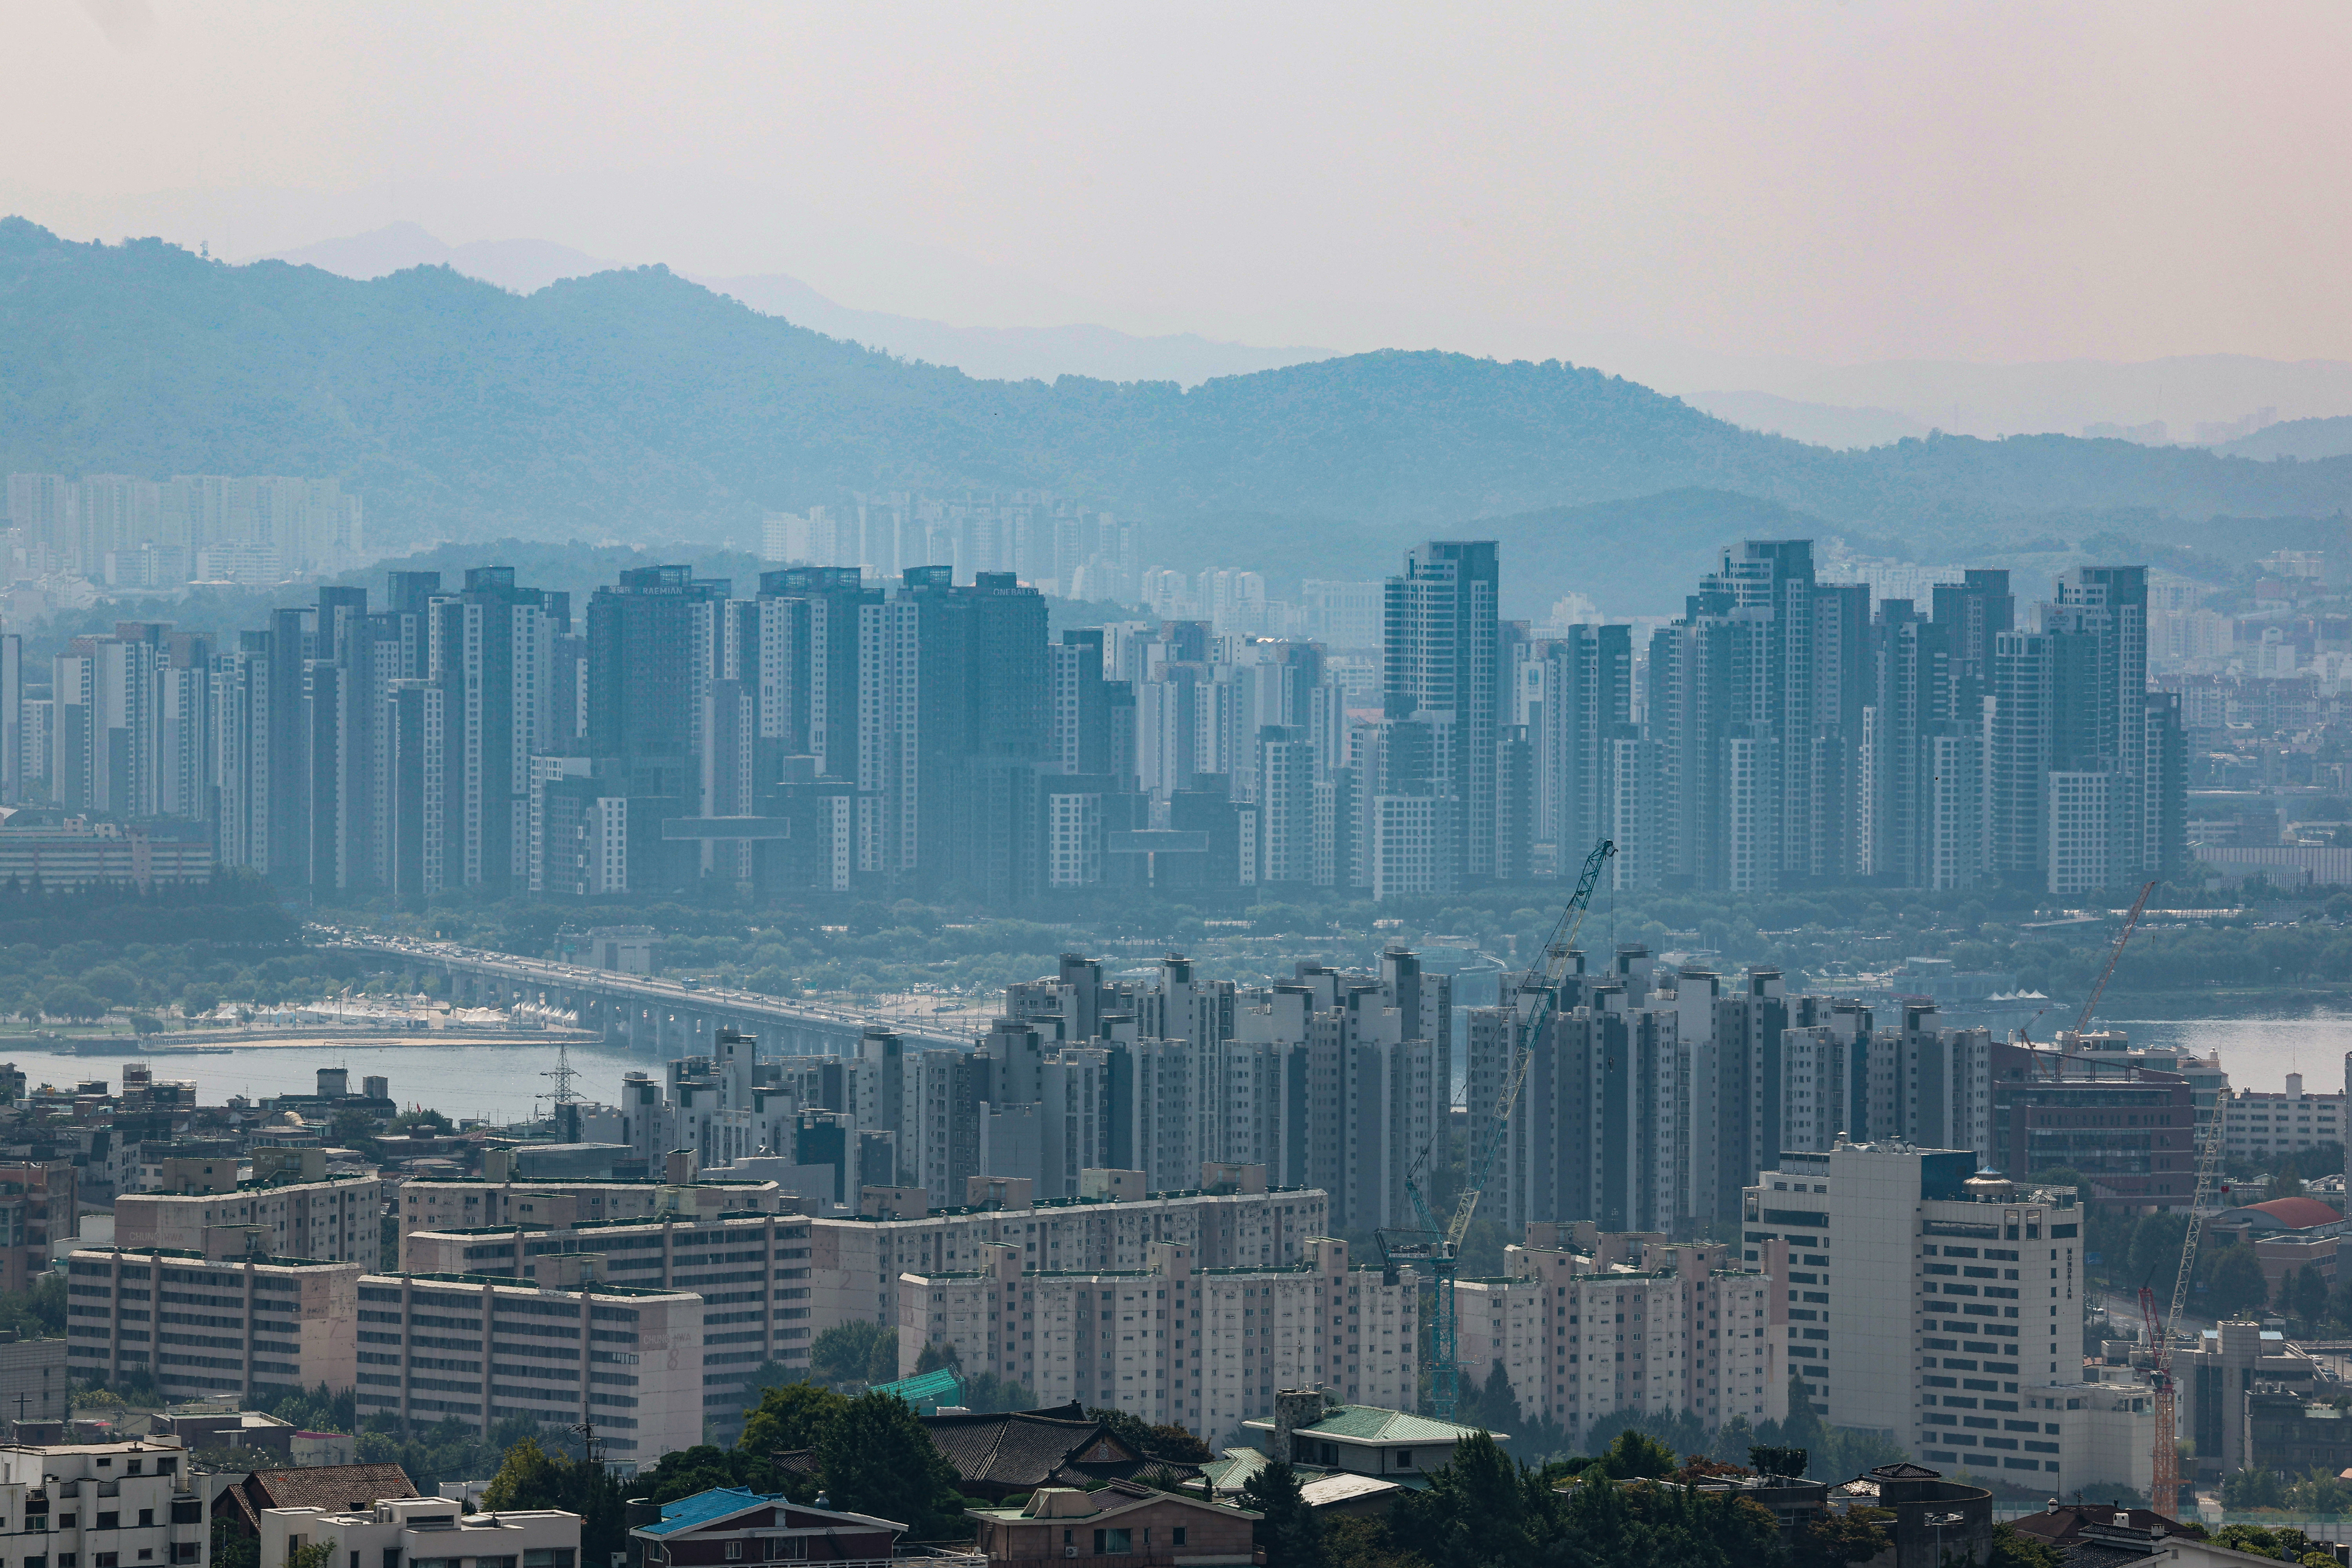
[[934, 1388]]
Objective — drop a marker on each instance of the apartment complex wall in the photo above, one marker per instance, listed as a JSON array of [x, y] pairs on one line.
[[1584, 1323], [475, 1349], [1170, 1342], [205, 1327], [751, 1271], [338, 1219]]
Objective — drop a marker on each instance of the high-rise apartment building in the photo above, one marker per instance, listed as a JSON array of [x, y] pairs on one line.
[[653, 647], [1440, 669]]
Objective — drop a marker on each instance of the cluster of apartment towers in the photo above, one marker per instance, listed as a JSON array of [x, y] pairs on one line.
[[834, 733]]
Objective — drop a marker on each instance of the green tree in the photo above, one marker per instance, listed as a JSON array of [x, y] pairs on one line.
[[789, 1418], [2244, 1490], [1491, 1405], [1777, 1461], [318, 1554], [877, 1458], [2237, 1285], [2154, 1255], [528, 1478], [1484, 1507], [1287, 1529], [112, 984], [2282, 1544], [854, 1355], [1177, 1443], [195, 999], [683, 1472], [232, 1548], [1840, 1539], [2305, 1293], [1356, 1542], [1631, 1454], [2014, 1549], [984, 1392], [146, 1023], [67, 999]]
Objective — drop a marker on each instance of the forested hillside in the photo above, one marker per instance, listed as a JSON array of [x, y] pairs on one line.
[[638, 405]]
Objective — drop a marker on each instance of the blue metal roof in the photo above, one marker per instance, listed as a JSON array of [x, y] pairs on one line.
[[704, 1507]]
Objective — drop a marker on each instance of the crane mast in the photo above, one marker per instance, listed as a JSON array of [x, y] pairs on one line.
[[2115, 956], [2164, 1489], [1438, 1247]]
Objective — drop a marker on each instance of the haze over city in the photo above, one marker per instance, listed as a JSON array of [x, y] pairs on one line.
[[1330, 787]]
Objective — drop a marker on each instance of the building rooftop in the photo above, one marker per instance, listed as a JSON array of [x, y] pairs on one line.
[[721, 1502], [1370, 1424], [182, 1254], [509, 1282], [2294, 1213]]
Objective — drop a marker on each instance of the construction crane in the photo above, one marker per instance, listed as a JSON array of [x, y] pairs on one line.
[[2083, 1020], [2089, 1004], [2164, 1491], [1438, 1248]]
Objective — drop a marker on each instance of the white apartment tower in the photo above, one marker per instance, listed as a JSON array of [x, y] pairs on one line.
[[1938, 1308]]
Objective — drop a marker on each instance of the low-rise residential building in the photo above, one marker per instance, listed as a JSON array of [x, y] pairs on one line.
[[1585, 1322], [2264, 1127], [1309, 1430], [103, 1503], [2213, 1377], [999, 1454], [45, 848], [241, 1324], [751, 1270], [2288, 1235], [477, 1348], [1123, 1522], [729, 1524], [414, 1530], [240, 1503], [328, 1219], [1171, 1342]]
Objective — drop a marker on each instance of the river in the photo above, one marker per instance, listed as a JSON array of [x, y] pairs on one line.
[[2257, 1053], [499, 1082]]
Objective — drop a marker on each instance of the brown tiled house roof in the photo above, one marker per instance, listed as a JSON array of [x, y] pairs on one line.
[[310, 1486]]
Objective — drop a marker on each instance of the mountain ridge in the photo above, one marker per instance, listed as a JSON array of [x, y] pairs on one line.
[[639, 402]]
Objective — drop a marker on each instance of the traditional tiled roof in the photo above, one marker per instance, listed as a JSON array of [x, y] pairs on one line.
[[336, 1487]]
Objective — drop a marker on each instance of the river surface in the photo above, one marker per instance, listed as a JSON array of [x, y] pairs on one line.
[[500, 1083], [506, 1082], [2257, 1053]]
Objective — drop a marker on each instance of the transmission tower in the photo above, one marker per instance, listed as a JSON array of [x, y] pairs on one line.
[[563, 1074]]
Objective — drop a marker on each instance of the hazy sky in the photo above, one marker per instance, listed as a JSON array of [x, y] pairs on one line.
[[1837, 182]]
